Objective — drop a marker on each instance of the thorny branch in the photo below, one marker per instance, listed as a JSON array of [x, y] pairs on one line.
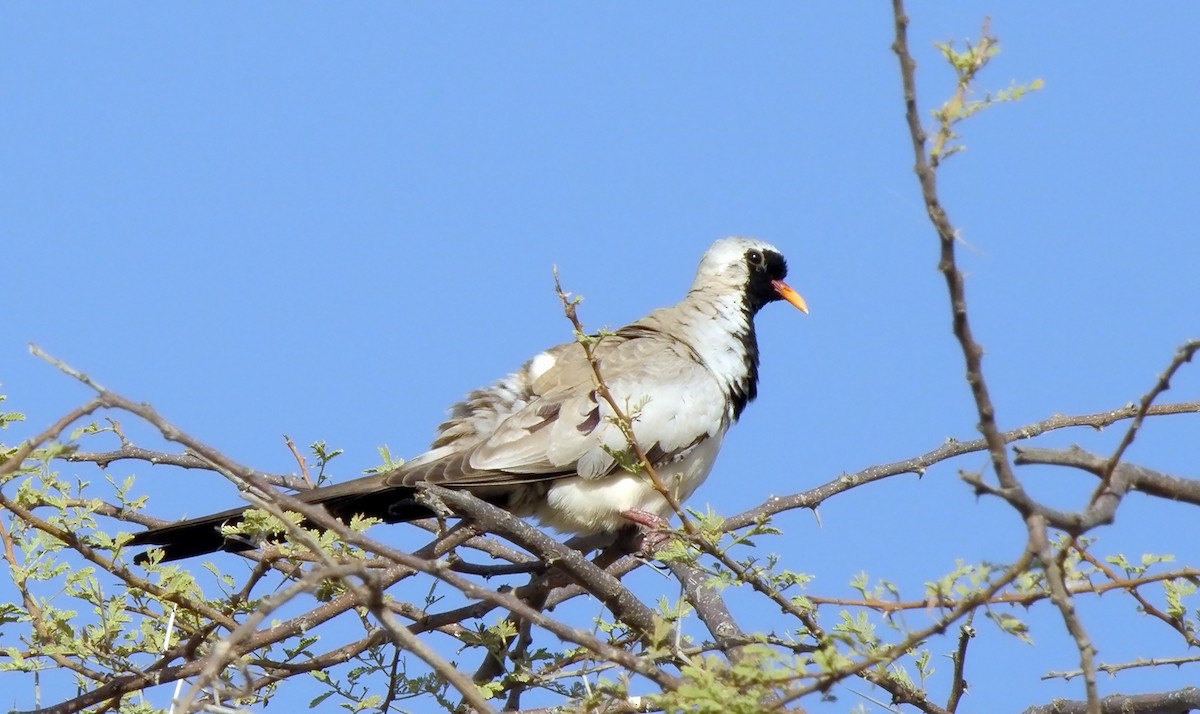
[[958, 680], [1182, 356], [1181, 700]]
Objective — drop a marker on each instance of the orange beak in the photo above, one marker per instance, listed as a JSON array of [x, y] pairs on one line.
[[785, 291]]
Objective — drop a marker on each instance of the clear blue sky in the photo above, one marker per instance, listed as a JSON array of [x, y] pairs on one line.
[[331, 221]]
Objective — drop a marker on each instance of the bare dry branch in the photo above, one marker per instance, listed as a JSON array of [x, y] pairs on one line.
[[1180, 700], [813, 497], [1182, 356]]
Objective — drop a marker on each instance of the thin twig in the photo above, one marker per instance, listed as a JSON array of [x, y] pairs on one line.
[[1136, 664], [159, 458]]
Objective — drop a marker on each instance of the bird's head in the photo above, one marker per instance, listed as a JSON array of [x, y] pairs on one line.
[[754, 267]]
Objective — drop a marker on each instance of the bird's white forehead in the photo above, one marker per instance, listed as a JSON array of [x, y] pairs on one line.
[[731, 250]]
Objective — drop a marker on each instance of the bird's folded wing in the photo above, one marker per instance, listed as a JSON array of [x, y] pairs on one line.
[[566, 429]]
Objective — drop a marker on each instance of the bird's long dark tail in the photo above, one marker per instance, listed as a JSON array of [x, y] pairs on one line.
[[199, 536]]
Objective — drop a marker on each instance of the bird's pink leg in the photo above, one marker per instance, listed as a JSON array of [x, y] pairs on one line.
[[644, 518], [653, 536]]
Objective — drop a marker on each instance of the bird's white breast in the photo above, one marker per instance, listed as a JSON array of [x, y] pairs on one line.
[[585, 506]]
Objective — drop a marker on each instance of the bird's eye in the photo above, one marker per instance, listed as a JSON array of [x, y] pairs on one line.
[[755, 257]]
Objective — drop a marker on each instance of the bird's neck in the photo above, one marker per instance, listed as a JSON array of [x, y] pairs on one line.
[[719, 328]]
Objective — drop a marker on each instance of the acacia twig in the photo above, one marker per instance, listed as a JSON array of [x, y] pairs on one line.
[[159, 458], [1182, 356], [892, 652]]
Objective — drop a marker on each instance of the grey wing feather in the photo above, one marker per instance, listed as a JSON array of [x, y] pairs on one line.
[[556, 426]]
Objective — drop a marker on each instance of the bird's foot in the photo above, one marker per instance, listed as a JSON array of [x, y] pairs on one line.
[[644, 518], [654, 529]]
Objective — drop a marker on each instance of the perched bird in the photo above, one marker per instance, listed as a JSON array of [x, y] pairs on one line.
[[541, 442]]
